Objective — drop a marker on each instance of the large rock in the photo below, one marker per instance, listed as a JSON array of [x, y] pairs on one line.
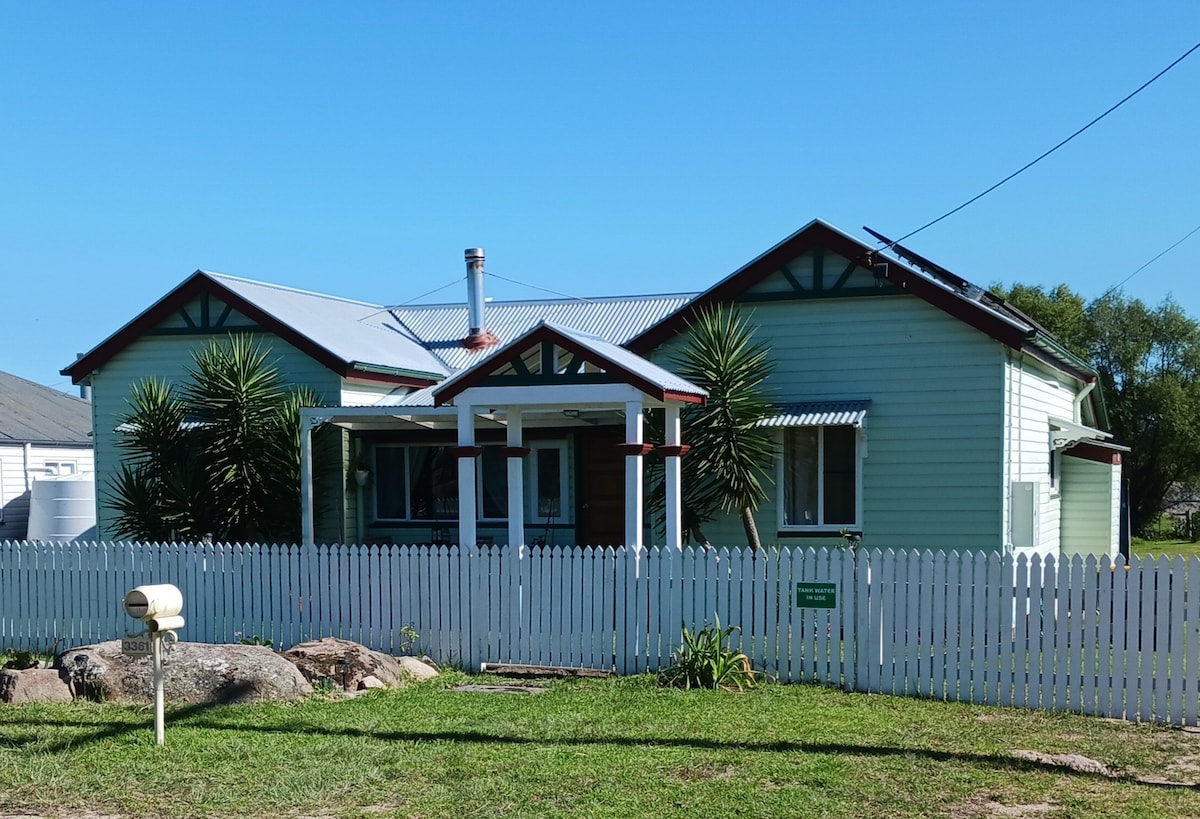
[[34, 685], [193, 672], [345, 664]]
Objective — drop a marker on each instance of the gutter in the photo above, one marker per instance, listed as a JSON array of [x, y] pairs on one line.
[[359, 366]]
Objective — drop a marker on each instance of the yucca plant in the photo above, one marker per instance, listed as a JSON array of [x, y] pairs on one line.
[[731, 456], [705, 661], [219, 454]]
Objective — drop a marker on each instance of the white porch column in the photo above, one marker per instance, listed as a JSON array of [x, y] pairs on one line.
[[466, 454], [674, 479], [306, 480], [633, 473], [516, 453]]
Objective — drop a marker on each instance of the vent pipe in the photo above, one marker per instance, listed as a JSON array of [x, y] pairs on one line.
[[478, 336], [474, 257]]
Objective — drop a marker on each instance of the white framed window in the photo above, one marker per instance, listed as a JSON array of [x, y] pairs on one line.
[[60, 467], [820, 481], [1055, 470], [415, 482], [548, 484]]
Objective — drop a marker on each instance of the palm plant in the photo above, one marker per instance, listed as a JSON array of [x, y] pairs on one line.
[[731, 454], [220, 456]]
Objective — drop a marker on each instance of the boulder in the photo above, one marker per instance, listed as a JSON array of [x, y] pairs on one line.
[[370, 683], [34, 685], [345, 664], [416, 669], [193, 673]]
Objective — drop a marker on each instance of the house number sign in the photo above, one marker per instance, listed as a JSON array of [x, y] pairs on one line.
[[816, 595]]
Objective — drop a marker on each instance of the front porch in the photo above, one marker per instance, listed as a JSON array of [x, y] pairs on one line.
[[548, 430]]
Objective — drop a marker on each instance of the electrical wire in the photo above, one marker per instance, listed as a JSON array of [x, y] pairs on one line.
[[1029, 165], [431, 292], [535, 287], [1121, 283]]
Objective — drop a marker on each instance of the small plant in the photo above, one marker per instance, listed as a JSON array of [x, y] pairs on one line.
[[253, 640], [408, 638], [705, 661]]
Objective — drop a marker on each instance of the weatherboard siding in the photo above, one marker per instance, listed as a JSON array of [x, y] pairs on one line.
[[168, 357], [934, 444], [1090, 507], [361, 394], [1035, 394]]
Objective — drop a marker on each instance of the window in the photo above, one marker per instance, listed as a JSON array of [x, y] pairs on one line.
[[491, 481], [821, 478], [419, 482], [548, 483], [59, 467], [415, 483]]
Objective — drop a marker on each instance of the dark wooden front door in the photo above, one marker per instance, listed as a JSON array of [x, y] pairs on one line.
[[601, 489]]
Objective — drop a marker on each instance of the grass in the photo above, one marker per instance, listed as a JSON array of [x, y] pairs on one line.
[[1168, 547], [597, 748]]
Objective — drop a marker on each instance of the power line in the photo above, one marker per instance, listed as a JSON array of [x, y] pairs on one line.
[[1119, 284], [1029, 165], [535, 287]]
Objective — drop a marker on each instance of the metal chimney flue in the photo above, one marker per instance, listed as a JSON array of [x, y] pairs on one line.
[[478, 336], [474, 257]]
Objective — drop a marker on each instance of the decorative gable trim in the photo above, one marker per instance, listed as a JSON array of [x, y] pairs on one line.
[[201, 285], [548, 339], [892, 276]]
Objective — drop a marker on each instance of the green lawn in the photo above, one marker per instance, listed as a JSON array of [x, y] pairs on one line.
[[616, 748], [1169, 548]]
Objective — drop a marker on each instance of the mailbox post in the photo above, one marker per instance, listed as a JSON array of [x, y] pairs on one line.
[[158, 607]]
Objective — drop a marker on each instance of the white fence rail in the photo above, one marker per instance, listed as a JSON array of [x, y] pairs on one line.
[[1071, 635]]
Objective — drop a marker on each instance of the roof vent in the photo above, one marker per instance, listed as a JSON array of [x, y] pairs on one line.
[[478, 337]]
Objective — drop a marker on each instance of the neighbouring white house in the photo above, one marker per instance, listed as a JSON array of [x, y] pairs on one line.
[[45, 434], [913, 408]]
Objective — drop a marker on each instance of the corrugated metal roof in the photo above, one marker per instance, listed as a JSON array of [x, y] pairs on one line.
[[32, 413], [630, 362], [355, 331], [616, 319], [819, 414]]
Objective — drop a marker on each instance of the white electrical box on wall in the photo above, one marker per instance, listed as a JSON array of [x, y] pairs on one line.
[[1023, 514]]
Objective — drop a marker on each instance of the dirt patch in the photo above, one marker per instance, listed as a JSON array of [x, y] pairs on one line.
[[705, 771], [985, 806]]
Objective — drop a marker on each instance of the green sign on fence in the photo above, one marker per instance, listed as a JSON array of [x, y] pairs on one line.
[[816, 595]]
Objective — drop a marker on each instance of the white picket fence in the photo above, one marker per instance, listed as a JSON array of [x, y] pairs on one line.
[[1074, 635]]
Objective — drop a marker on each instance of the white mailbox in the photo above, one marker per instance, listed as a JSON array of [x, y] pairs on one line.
[[155, 604]]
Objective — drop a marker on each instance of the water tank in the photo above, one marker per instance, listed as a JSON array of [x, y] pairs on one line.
[[63, 507]]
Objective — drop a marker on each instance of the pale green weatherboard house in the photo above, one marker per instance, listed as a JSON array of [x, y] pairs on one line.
[[914, 408]]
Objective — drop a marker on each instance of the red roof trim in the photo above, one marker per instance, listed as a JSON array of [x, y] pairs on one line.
[[821, 235], [1098, 454], [542, 334], [197, 284]]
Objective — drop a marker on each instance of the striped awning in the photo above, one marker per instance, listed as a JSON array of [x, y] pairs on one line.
[[819, 414]]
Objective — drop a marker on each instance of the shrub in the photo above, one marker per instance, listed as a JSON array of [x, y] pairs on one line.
[[704, 661]]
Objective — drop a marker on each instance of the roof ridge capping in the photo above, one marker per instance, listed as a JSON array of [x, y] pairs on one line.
[[297, 290]]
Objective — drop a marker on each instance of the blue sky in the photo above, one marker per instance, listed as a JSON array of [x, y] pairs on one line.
[[592, 149]]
